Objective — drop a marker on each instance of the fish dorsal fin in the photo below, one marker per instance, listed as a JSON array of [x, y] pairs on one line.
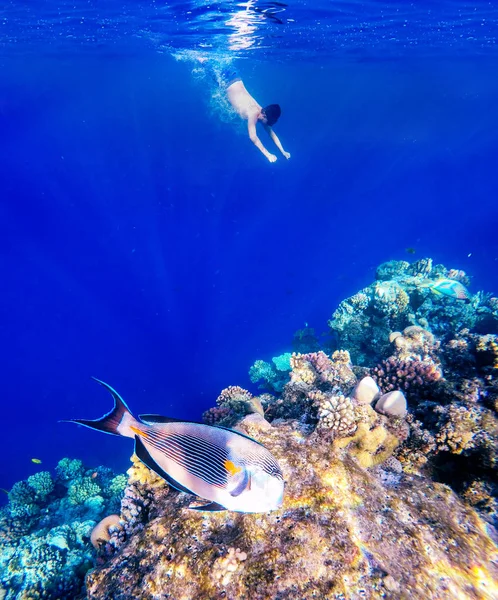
[[152, 419], [144, 455]]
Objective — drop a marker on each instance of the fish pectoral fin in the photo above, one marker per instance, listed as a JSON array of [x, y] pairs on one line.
[[144, 455], [242, 481], [211, 507]]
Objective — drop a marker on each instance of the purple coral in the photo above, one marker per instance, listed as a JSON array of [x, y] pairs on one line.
[[216, 415], [416, 378]]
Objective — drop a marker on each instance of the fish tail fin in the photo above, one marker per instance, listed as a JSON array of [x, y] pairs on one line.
[[116, 422]]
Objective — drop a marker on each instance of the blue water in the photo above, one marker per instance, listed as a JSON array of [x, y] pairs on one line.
[[145, 240]]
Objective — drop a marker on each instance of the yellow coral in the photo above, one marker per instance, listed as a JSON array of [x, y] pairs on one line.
[[225, 566], [359, 301], [370, 447], [139, 473], [341, 356], [390, 298], [301, 369], [457, 434], [489, 344]]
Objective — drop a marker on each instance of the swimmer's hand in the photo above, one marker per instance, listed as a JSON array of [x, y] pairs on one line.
[[286, 154], [271, 157]]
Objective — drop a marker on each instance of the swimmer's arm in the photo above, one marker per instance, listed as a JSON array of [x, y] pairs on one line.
[[276, 141], [253, 136]]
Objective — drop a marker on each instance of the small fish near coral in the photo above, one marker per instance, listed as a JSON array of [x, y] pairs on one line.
[[37, 461], [229, 469], [447, 287]]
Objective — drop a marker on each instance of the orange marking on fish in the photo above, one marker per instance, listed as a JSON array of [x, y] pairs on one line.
[[232, 468], [139, 431]]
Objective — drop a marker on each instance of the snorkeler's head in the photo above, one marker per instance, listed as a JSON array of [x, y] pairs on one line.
[[271, 114]]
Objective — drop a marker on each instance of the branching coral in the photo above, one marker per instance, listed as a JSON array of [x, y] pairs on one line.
[[233, 396], [219, 415], [459, 430], [273, 376], [82, 490], [487, 350], [317, 369], [69, 468], [311, 373], [335, 413], [239, 401], [416, 378], [43, 485], [22, 500], [390, 299], [138, 473]]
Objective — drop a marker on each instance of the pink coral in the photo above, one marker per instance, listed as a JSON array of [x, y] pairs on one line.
[[216, 415], [415, 378]]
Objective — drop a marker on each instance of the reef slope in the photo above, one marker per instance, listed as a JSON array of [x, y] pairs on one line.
[[344, 531]]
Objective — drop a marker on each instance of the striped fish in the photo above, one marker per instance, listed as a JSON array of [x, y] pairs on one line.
[[447, 287], [230, 470]]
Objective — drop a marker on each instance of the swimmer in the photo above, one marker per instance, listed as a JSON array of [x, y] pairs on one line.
[[247, 107]]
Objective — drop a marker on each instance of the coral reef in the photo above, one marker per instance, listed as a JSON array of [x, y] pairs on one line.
[[273, 376], [344, 531], [233, 403], [424, 359], [401, 297], [390, 465], [335, 413], [219, 415], [46, 526], [416, 378], [314, 379], [69, 469]]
